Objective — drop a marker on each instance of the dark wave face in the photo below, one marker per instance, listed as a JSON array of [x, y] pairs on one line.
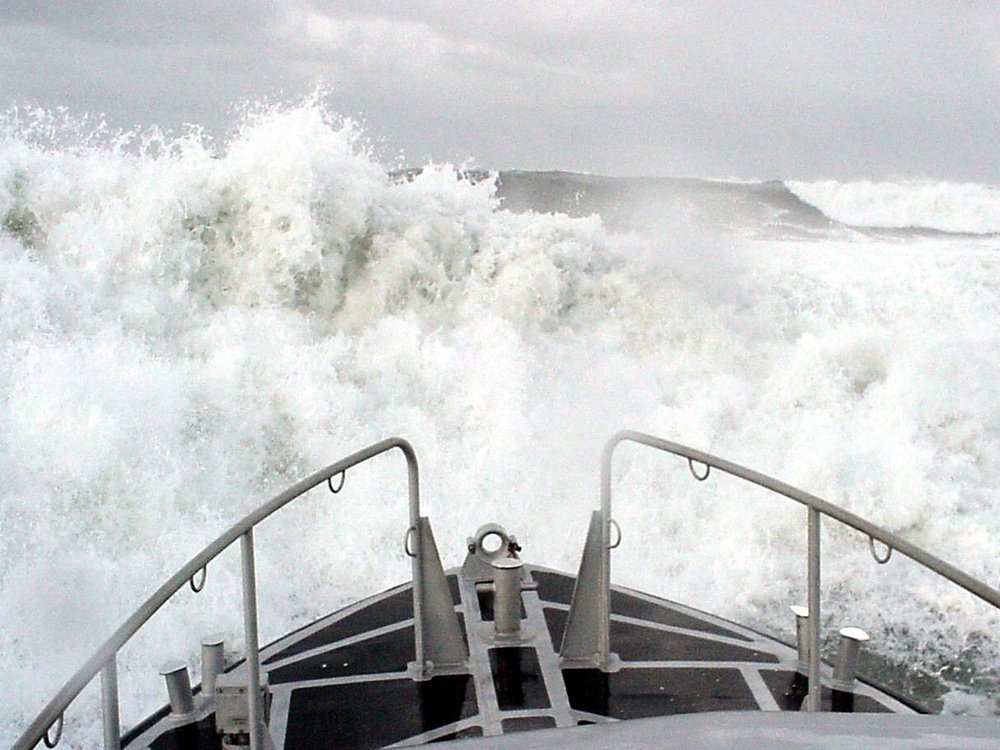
[[643, 203], [762, 209]]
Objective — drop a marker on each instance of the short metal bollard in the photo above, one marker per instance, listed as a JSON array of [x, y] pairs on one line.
[[507, 595], [175, 672], [802, 636], [212, 662], [844, 671]]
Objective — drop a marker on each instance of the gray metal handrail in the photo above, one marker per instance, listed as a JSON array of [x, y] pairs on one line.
[[817, 508], [105, 659]]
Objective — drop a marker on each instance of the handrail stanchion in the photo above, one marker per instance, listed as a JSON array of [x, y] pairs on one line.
[[812, 624], [417, 559], [817, 507], [109, 694], [56, 707], [604, 634], [253, 648]]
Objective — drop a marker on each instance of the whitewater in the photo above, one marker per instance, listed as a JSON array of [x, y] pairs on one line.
[[188, 327]]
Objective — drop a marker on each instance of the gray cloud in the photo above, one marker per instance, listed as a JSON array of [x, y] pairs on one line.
[[131, 23], [777, 89]]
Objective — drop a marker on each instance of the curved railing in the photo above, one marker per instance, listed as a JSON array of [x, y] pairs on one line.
[[105, 659], [817, 508]]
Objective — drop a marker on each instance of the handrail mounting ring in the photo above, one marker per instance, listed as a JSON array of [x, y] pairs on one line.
[[58, 724], [881, 560], [614, 524], [694, 472], [410, 532], [343, 478], [197, 587]]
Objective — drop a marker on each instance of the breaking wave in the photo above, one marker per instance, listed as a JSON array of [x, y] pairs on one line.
[[188, 327], [943, 206]]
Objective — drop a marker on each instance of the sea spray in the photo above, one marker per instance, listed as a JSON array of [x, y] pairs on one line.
[[948, 207], [189, 328]]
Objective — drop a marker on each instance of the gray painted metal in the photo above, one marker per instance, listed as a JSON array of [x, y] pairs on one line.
[[110, 713], [772, 730], [507, 573], [802, 636], [812, 623], [435, 620], [213, 650], [477, 563], [175, 672], [848, 653], [587, 636], [253, 646]]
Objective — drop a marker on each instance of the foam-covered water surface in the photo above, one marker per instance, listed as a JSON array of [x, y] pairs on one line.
[[187, 330]]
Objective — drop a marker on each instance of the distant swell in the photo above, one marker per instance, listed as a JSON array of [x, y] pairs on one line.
[[770, 209], [645, 202], [943, 207]]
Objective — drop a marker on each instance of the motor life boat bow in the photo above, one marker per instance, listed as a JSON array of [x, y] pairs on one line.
[[500, 653]]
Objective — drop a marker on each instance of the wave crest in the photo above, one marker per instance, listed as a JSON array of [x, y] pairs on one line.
[[942, 206], [295, 213]]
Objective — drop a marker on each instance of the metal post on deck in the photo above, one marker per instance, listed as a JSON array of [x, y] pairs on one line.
[[604, 595], [814, 697], [109, 693], [417, 555], [253, 648], [507, 572]]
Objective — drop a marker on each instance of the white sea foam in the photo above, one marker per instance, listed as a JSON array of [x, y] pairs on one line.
[[949, 207], [186, 332]]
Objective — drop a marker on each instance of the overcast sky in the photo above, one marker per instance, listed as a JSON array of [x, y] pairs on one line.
[[780, 89]]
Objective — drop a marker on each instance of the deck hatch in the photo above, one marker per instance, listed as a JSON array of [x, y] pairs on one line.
[[554, 587], [641, 693], [517, 678], [558, 588], [392, 609], [641, 609], [195, 736], [357, 716]]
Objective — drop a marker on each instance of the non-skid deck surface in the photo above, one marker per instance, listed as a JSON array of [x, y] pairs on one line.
[[341, 683]]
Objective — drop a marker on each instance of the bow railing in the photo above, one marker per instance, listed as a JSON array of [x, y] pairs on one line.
[[104, 661], [817, 508]]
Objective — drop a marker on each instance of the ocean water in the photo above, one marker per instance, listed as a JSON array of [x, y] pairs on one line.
[[187, 327]]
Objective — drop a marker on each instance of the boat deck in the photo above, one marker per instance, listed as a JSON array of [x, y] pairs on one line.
[[343, 681]]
